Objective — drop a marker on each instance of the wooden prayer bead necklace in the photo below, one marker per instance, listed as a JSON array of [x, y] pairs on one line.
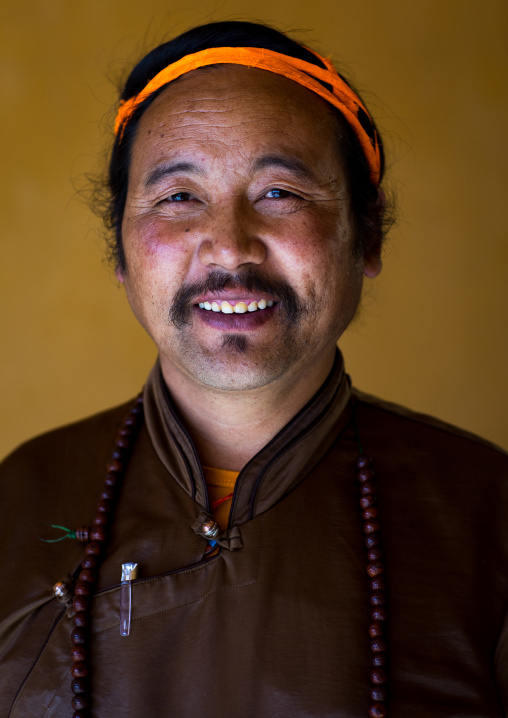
[[375, 571], [96, 540]]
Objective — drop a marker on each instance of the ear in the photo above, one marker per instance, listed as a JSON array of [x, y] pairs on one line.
[[372, 266]]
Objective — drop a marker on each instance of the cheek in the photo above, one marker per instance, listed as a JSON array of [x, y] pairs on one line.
[[153, 247], [317, 254], [157, 263]]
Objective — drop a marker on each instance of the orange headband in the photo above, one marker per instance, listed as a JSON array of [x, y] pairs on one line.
[[305, 73]]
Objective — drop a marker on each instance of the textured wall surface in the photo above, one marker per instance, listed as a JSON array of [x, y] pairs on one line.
[[432, 333]]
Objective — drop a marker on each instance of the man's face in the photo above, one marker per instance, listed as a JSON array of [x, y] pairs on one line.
[[237, 232]]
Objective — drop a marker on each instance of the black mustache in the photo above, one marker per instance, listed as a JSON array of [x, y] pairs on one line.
[[250, 279]]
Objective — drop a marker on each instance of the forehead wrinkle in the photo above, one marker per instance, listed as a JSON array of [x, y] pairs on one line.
[[228, 98], [184, 116], [221, 116]]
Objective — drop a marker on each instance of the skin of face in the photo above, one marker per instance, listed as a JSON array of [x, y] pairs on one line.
[[235, 172]]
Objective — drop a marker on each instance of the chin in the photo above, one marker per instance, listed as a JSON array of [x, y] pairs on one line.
[[235, 365]]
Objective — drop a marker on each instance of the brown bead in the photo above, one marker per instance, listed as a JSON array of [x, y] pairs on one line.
[[111, 480], [79, 636], [81, 619], [98, 534], [104, 507], [101, 520], [378, 694], [363, 461], [368, 488], [365, 475], [378, 584], [81, 604], [83, 588], [79, 654], [122, 443], [375, 554], [89, 562], [378, 677], [378, 710], [129, 421], [93, 549], [371, 513], [367, 501], [378, 599], [83, 534], [81, 714], [379, 660], [375, 569], [376, 629], [80, 670], [81, 702], [87, 575], [371, 541], [79, 685], [378, 646], [125, 431], [108, 493], [371, 527], [378, 614], [114, 467]]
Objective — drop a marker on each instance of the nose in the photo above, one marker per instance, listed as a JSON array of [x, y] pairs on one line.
[[231, 241]]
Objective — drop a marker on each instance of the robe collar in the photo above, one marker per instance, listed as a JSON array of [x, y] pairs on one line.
[[276, 469]]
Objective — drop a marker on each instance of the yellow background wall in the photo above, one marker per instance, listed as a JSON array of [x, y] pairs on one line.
[[433, 331]]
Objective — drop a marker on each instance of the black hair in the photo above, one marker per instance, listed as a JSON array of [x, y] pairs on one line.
[[368, 212]]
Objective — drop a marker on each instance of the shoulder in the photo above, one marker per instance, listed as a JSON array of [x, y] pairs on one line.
[[51, 480], [420, 433], [81, 442], [437, 481]]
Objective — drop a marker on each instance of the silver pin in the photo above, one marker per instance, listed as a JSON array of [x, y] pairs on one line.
[[129, 572]]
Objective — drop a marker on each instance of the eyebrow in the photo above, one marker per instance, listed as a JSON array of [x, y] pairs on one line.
[[170, 169], [289, 163], [267, 161]]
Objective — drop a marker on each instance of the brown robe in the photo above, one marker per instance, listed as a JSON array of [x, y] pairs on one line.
[[278, 627]]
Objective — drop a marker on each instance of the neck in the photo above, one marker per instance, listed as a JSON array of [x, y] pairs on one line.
[[228, 428]]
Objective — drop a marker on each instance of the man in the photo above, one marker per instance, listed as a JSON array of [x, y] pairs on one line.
[[244, 555]]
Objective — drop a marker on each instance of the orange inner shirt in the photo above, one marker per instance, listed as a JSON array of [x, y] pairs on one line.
[[221, 484]]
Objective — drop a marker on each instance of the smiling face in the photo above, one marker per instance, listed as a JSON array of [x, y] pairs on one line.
[[237, 232]]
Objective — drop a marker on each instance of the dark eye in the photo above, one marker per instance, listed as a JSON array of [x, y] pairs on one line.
[[179, 197], [277, 193]]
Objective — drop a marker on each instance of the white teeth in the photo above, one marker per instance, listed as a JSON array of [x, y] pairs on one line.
[[226, 308], [237, 308]]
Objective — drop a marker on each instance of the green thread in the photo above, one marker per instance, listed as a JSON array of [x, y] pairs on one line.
[[68, 534]]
